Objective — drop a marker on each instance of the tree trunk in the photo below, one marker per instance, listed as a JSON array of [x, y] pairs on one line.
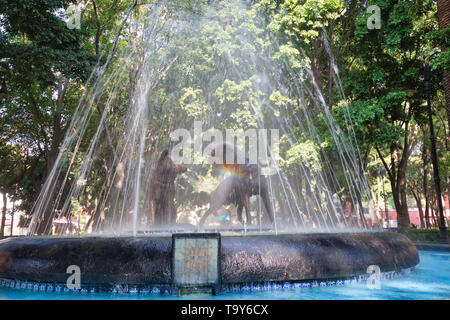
[[309, 197], [12, 220], [443, 14], [419, 207], [58, 130], [397, 176], [402, 214], [397, 180], [2, 226], [402, 210], [330, 67], [427, 213], [378, 197], [134, 68], [362, 218], [425, 161], [433, 215]]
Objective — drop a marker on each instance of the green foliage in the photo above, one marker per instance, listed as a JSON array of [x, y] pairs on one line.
[[387, 63], [440, 39], [44, 64], [306, 152], [424, 235], [302, 20], [36, 43], [218, 66]]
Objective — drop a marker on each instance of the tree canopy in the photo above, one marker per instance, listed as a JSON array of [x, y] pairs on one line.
[[234, 65]]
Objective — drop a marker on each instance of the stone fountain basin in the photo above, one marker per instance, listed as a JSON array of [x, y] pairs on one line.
[[146, 260]]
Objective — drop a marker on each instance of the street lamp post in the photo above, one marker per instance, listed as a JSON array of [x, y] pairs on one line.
[[437, 180]]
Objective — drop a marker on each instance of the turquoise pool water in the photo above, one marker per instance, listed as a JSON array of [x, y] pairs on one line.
[[429, 281]]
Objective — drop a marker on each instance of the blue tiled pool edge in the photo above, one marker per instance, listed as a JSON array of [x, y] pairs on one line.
[[33, 286]]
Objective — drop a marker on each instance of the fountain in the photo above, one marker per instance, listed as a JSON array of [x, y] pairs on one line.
[[193, 77]]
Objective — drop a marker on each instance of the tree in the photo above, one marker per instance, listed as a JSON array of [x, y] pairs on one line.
[[43, 63], [443, 15], [385, 97]]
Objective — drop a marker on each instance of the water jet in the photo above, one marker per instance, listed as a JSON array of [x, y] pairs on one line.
[[191, 65]]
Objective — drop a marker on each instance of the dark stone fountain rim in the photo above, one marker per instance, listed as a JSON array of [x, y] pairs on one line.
[[168, 234], [145, 260]]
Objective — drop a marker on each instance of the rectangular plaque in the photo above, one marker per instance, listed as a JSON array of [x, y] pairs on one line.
[[195, 259]]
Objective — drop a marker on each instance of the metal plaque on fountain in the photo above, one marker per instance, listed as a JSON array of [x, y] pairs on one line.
[[195, 259]]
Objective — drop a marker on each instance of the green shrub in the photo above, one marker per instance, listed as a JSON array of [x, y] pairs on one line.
[[424, 235]]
